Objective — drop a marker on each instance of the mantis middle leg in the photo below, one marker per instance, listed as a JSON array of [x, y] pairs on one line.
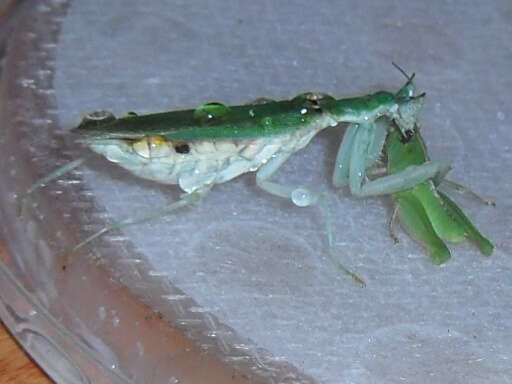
[[301, 197]]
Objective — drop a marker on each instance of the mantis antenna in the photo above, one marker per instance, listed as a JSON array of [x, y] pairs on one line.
[[409, 78]]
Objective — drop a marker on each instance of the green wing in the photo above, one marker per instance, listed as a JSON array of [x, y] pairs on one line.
[[445, 225], [485, 246], [417, 224], [209, 121]]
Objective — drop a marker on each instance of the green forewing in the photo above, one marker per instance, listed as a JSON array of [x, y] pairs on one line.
[[416, 222], [212, 120], [485, 246], [446, 227]]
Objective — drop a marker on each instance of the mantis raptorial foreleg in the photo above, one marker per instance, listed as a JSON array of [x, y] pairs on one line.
[[378, 132], [362, 152], [378, 138], [341, 173]]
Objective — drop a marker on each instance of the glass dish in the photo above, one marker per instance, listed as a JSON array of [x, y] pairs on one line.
[[240, 288]]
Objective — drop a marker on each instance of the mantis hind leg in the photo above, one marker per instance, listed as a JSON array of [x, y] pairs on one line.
[[55, 174], [186, 200], [302, 197]]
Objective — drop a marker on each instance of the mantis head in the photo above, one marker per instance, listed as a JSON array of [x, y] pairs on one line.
[[408, 106]]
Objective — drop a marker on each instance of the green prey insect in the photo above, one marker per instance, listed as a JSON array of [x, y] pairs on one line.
[[426, 213], [213, 144]]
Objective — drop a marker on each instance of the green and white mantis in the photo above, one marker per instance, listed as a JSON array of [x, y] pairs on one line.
[[213, 143]]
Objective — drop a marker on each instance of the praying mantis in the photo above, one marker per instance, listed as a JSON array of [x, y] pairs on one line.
[[212, 144]]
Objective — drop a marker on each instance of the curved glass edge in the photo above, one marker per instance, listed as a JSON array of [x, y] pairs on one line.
[[57, 351]]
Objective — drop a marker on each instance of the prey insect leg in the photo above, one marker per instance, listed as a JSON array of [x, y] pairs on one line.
[[463, 189], [391, 225]]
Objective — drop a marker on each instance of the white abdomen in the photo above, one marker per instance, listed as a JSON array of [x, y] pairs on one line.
[[206, 161]]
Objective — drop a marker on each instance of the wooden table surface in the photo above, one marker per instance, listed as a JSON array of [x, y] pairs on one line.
[[15, 365]]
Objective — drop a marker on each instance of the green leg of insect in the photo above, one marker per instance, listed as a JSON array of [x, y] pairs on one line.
[[341, 175], [463, 189], [364, 144], [326, 214], [391, 225], [301, 197]]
